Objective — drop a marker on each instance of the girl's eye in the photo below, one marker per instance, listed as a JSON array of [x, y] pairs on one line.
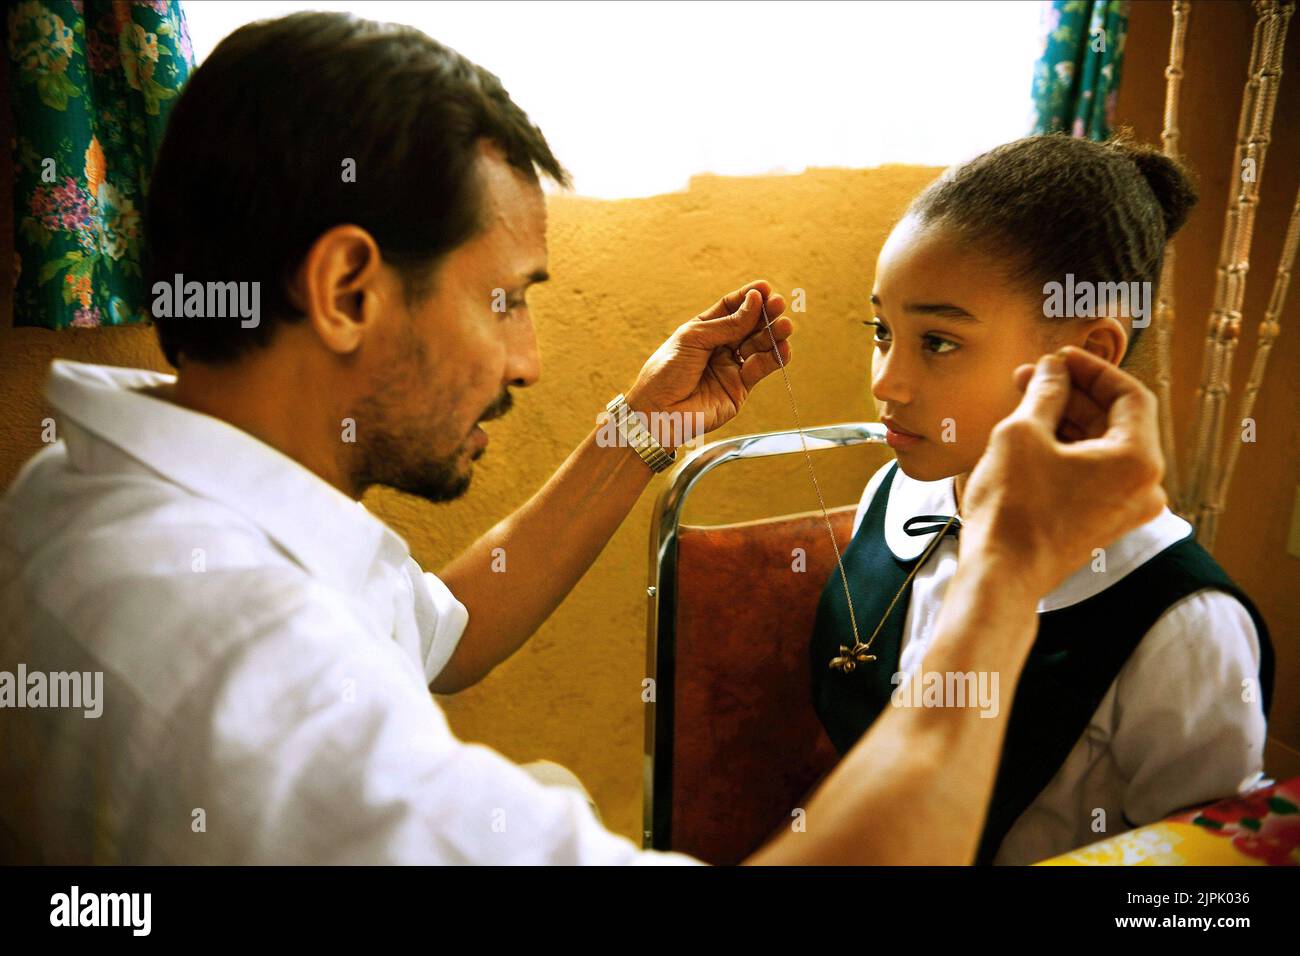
[[938, 345], [934, 344], [882, 333]]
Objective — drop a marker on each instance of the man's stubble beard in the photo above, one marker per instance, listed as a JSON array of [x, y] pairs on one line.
[[393, 448]]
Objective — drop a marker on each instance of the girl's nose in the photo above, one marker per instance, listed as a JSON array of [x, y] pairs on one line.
[[889, 380]]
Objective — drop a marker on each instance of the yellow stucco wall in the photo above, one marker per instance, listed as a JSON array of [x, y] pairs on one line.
[[625, 274]]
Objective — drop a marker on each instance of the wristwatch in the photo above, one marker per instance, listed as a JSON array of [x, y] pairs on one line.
[[630, 427]]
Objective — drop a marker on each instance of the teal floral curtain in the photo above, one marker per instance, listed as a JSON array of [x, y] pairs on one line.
[[1076, 78], [91, 83]]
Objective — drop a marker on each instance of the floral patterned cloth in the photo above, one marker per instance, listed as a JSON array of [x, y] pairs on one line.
[[1263, 824], [1258, 828], [1076, 78], [91, 84]]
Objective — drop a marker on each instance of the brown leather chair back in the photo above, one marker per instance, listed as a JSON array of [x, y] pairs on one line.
[[746, 745]]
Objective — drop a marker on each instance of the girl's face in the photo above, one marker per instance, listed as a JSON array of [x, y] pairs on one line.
[[950, 331]]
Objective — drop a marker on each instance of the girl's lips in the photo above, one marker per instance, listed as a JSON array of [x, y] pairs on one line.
[[897, 438]]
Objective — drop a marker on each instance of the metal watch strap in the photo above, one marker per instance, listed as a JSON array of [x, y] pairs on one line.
[[656, 457]]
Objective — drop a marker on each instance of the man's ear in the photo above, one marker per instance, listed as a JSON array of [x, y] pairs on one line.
[[338, 278], [1106, 338]]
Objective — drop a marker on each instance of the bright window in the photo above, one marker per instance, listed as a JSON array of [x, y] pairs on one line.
[[635, 97]]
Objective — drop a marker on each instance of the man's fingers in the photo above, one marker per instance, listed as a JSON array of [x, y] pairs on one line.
[[1070, 432], [775, 305], [1129, 406], [1103, 382], [1088, 372], [729, 329], [1113, 480], [730, 302], [1088, 418], [1083, 416], [761, 340], [743, 328], [1047, 393], [764, 364]]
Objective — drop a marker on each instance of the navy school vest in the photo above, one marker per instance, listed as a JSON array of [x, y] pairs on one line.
[[1076, 656]]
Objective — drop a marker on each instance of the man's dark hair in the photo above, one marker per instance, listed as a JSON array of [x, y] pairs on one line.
[[1055, 204], [251, 168]]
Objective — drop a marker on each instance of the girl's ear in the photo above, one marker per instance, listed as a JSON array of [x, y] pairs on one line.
[[1107, 339]]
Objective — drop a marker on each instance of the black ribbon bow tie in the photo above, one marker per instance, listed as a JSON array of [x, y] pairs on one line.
[[929, 524]]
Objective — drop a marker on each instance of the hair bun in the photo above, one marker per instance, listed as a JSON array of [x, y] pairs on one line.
[[1168, 179]]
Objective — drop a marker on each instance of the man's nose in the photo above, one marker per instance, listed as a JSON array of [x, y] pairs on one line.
[[890, 379], [524, 361]]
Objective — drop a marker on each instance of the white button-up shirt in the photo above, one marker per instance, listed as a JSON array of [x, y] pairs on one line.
[[265, 646], [1174, 729]]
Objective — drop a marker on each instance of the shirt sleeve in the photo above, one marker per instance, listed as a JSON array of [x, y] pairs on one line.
[[441, 618], [1189, 721], [322, 747], [870, 492]]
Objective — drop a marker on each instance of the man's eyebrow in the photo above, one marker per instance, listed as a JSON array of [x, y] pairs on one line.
[[944, 310]]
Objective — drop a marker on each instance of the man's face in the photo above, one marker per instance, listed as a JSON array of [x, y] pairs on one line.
[[448, 360]]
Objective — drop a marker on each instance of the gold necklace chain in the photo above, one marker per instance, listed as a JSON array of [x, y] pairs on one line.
[[853, 621], [849, 657]]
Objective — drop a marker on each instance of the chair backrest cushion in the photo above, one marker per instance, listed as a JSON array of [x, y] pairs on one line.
[[747, 745]]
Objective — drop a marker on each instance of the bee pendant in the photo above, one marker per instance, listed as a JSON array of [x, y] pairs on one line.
[[850, 658]]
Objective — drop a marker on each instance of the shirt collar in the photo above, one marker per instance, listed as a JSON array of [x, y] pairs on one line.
[[909, 498], [328, 533]]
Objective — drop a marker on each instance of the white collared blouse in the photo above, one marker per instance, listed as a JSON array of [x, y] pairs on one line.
[[1173, 730]]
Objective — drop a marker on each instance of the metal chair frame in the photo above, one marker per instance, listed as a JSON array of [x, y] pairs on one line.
[[662, 592]]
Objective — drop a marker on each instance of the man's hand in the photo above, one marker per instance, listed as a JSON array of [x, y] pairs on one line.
[[592, 492], [1073, 468], [697, 369], [1076, 465]]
